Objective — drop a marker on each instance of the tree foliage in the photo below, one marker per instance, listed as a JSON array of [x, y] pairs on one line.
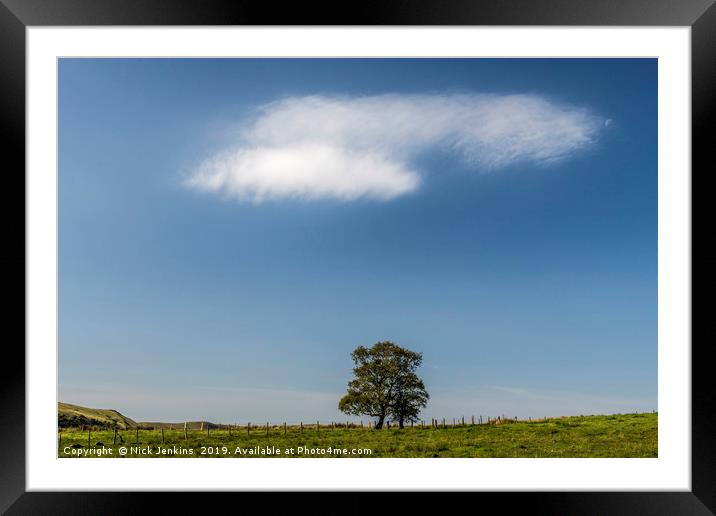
[[385, 384]]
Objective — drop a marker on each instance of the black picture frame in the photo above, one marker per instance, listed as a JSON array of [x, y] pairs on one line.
[[17, 15]]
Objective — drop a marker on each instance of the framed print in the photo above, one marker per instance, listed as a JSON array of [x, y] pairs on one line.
[[448, 246]]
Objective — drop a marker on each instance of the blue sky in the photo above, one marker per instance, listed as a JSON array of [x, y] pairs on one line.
[[231, 229]]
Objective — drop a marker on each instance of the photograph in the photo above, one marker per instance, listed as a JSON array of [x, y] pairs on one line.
[[414, 235], [357, 257]]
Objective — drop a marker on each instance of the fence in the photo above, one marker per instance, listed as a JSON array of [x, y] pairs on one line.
[[185, 430], [189, 429]]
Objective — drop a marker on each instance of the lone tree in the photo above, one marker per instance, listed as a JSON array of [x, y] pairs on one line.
[[385, 384]]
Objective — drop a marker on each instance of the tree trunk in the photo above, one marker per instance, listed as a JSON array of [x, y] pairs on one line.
[[400, 422], [379, 424]]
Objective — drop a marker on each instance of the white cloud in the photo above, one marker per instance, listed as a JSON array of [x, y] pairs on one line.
[[350, 147], [309, 170]]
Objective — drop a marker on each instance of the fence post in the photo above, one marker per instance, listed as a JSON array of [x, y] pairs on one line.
[[115, 435], [301, 426], [162, 435], [284, 428], [248, 428], [202, 427], [463, 420], [207, 429], [60, 437], [229, 430], [89, 437], [185, 434], [444, 424], [473, 420], [318, 427], [266, 427], [137, 435]]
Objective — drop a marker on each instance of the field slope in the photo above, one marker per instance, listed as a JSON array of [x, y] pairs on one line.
[[74, 416]]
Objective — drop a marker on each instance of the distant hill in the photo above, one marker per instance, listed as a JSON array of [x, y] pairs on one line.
[[74, 415]]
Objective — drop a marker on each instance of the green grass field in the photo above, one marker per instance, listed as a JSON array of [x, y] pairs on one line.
[[622, 435]]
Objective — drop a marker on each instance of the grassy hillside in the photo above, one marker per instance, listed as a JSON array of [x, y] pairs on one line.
[[621, 435], [76, 416]]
